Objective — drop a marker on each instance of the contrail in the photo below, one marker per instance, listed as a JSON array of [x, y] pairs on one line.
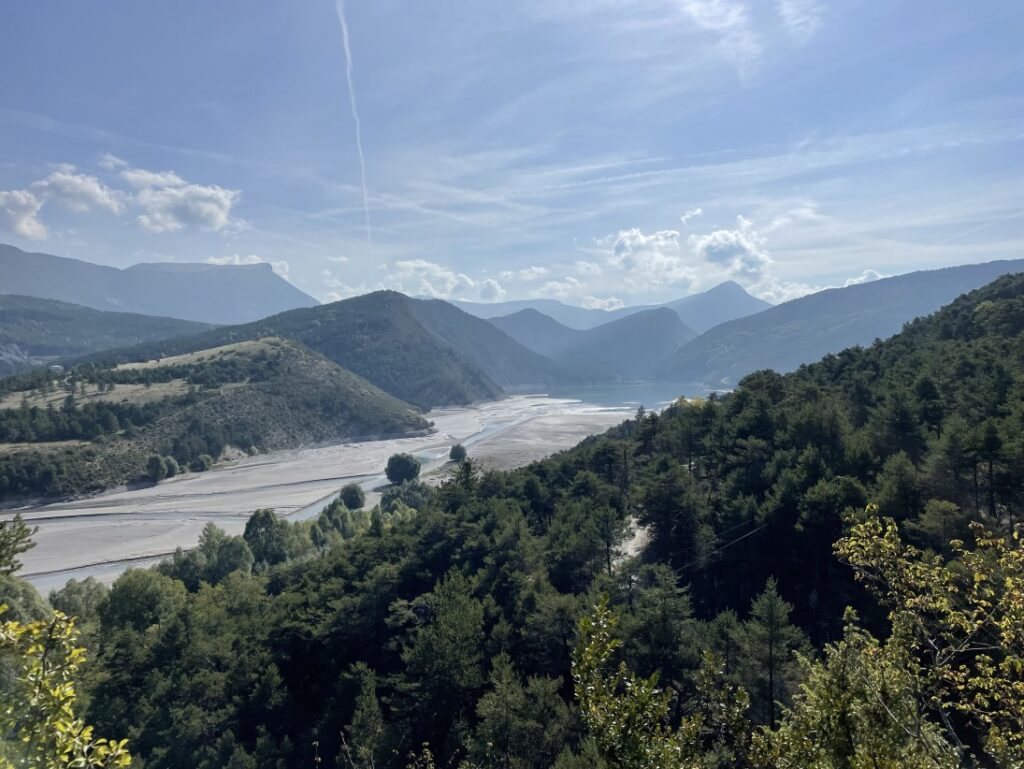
[[340, 6]]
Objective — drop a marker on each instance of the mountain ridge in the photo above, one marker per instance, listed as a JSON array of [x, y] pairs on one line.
[[208, 293]]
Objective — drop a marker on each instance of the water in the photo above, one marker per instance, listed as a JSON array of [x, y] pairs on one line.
[[651, 395]]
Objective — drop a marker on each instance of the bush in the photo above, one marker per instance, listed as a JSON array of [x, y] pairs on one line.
[[156, 470], [402, 468], [202, 463], [458, 453], [171, 467], [414, 494], [352, 496]]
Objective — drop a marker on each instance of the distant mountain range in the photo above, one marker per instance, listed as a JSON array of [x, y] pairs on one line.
[[425, 352], [218, 294], [631, 347], [806, 329], [700, 312], [35, 331]]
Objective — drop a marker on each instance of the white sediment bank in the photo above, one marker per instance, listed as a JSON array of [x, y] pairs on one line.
[[104, 535]]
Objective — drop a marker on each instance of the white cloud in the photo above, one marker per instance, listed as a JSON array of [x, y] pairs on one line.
[[805, 213], [730, 20], [111, 162], [607, 303], [171, 209], [691, 214], [78, 192], [741, 251], [587, 268], [337, 259], [140, 178], [281, 266], [431, 279], [491, 290], [867, 276], [19, 213], [561, 289], [652, 261], [525, 274], [801, 18]]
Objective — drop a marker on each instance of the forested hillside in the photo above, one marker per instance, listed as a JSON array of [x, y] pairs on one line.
[[803, 330], [38, 331], [450, 618], [98, 427], [424, 352]]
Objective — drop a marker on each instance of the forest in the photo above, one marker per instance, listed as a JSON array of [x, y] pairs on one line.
[[831, 577]]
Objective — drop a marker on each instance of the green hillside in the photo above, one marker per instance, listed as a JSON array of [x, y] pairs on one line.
[[97, 427], [803, 330], [453, 624], [38, 331], [423, 352]]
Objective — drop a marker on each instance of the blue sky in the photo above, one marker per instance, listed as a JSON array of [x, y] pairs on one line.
[[597, 151]]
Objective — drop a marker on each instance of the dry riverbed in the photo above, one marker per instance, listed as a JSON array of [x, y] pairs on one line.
[[103, 535]]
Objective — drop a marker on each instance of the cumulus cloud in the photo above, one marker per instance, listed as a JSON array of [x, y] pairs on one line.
[[418, 276], [649, 261], [525, 274], [867, 276], [140, 178], [561, 289], [19, 213], [171, 204], [801, 18], [606, 303], [167, 203], [491, 290], [742, 251], [78, 192], [281, 266]]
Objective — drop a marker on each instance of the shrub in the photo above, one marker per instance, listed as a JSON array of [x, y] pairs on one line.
[[156, 470], [202, 463], [352, 496], [171, 467], [458, 453], [402, 468]]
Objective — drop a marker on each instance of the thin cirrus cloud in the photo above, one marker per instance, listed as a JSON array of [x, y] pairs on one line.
[[162, 200]]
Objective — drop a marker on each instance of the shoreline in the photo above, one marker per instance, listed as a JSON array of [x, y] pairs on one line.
[[106, 534]]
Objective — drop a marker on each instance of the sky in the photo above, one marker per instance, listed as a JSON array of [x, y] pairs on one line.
[[601, 152]]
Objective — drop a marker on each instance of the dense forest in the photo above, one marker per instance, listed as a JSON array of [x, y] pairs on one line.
[[457, 627], [93, 427]]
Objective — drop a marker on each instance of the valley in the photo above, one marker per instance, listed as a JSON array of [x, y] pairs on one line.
[[103, 535]]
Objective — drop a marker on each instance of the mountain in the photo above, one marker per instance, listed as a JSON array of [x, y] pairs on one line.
[[97, 430], [631, 347], [424, 352], [537, 331], [805, 329], [726, 301], [37, 331], [700, 312], [566, 314], [209, 293]]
